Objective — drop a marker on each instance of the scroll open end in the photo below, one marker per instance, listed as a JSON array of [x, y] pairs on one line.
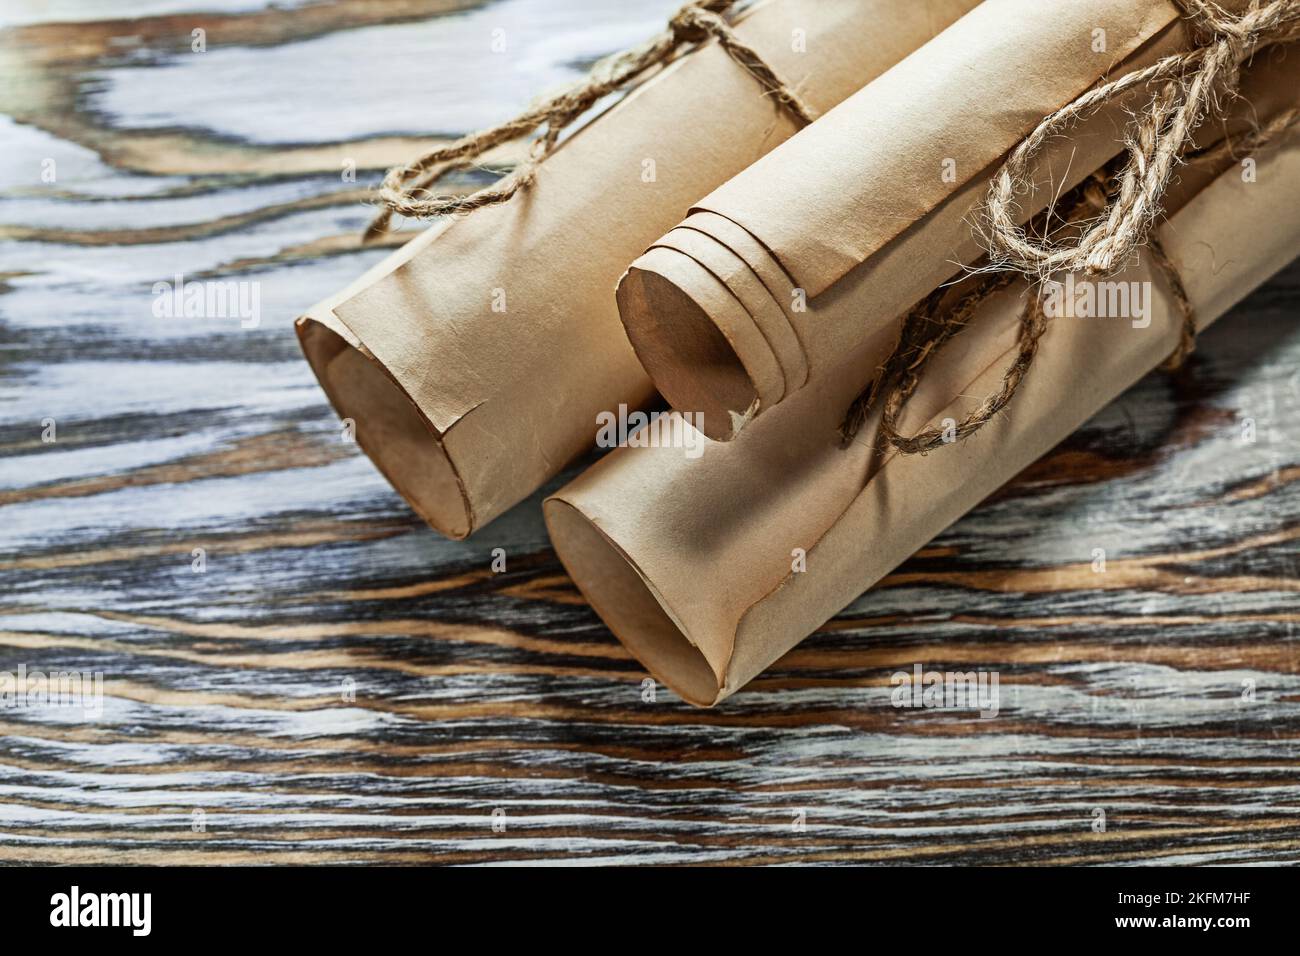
[[398, 438], [694, 363], [627, 602]]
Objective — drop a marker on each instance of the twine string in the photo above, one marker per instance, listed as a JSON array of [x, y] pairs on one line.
[[405, 190], [1193, 86], [933, 322]]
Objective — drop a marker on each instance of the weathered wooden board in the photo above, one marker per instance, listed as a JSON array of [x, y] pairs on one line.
[[227, 732]]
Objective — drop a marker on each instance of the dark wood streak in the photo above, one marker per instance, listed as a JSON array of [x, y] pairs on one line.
[[225, 690]]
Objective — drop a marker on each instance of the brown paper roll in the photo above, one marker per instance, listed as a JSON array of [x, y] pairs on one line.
[[689, 560], [873, 203], [475, 359]]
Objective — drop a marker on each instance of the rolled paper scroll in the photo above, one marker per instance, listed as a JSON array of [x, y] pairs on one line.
[[709, 568], [873, 203], [475, 360]]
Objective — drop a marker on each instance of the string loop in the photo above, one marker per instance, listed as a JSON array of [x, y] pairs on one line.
[[406, 190]]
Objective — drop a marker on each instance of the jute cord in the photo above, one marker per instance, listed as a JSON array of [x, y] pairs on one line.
[[405, 190]]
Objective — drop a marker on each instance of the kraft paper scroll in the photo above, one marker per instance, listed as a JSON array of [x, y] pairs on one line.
[[689, 560], [475, 360], [742, 305]]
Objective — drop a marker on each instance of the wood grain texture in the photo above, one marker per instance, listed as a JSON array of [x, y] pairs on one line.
[[225, 691]]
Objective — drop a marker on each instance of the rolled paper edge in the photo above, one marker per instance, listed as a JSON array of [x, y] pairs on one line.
[[698, 342], [736, 274], [631, 606], [780, 286], [666, 293], [398, 438]]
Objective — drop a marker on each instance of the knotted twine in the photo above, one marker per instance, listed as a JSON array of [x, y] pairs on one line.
[[405, 189], [1194, 85], [933, 322]]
